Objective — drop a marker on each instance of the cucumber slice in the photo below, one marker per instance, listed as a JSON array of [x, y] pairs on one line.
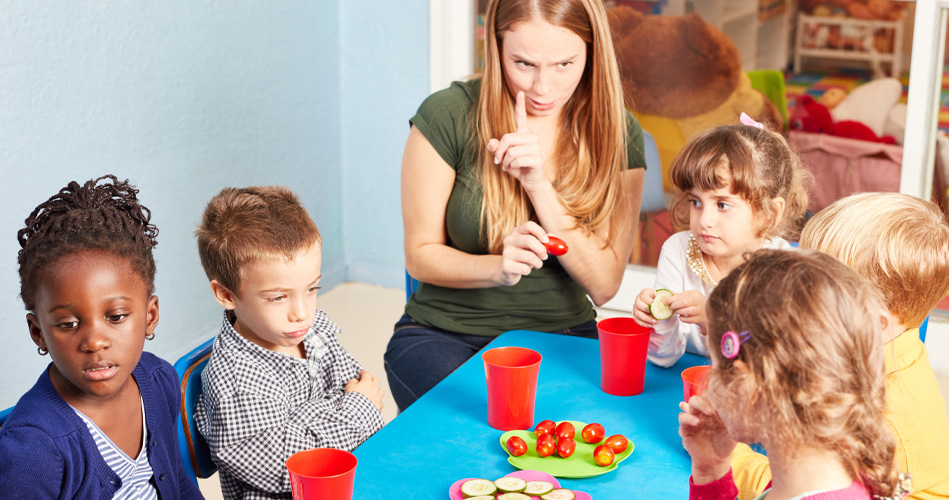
[[482, 497], [477, 488], [658, 309], [559, 494], [538, 488], [509, 484], [514, 496]]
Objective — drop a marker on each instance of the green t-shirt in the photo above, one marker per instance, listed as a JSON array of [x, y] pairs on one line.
[[547, 299]]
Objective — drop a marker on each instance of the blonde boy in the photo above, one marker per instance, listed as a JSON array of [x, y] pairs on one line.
[[901, 245], [278, 381]]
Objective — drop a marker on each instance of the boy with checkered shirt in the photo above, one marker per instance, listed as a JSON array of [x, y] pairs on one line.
[[278, 381]]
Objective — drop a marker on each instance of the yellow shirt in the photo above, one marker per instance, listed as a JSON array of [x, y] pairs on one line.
[[916, 415]]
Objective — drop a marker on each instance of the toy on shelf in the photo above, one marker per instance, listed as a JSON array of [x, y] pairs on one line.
[[852, 39]]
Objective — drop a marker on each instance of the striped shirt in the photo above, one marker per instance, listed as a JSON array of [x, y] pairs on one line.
[[135, 474]]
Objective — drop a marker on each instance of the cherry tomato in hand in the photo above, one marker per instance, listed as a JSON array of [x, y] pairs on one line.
[[546, 445], [593, 433], [566, 430], [566, 447], [618, 443], [516, 446], [545, 427], [603, 455], [555, 246]]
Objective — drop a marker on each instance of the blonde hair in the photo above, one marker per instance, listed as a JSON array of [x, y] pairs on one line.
[[761, 166], [242, 225], [591, 146], [814, 359], [898, 242]]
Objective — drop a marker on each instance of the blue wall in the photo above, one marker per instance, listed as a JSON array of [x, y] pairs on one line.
[[385, 73], [184, 98]]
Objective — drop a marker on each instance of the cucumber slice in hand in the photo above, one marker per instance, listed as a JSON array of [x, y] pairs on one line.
[[478, 487], [658, 308]]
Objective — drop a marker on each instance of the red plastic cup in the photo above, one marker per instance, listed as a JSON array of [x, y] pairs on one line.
[[623, 345], [322, 473], [511, 374], [695, 380]]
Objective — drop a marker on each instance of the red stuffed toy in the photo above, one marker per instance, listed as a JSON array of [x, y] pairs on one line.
[[811, 116]]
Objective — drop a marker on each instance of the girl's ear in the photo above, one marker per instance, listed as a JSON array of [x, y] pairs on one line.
[[223, 295], [36, 333], [151, 318], [744, 382], [777, 208]]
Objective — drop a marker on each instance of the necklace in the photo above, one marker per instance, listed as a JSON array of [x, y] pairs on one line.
[[697, 263]]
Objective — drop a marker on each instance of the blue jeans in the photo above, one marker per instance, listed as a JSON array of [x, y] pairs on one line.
[[418, 356]]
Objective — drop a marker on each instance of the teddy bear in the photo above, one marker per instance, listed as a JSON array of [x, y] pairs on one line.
[[680, 76]]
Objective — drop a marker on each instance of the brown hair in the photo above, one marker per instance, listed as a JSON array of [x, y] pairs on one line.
[[591, 144], [898, 242], [761, 167], [242, 225], [814, 358]]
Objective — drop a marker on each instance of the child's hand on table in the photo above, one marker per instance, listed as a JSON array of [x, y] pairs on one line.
[[706, 439], [368, 386]]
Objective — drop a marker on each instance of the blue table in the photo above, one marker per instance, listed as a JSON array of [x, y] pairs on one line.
[[445, 435]]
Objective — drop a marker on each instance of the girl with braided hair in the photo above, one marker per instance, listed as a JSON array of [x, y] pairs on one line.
[[100, 421]]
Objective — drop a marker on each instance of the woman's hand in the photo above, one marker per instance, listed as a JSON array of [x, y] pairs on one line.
[[641, 314], [518, 153], [706, 439], [522, 253], [690, 306]]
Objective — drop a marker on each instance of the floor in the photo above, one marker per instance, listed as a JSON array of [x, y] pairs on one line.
[[366, 314]]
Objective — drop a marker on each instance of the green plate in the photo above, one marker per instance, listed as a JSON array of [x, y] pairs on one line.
[[580, 464]]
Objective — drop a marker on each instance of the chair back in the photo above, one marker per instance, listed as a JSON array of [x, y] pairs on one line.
[[653, 195], [4, 414], [411, 284], [195, 453]]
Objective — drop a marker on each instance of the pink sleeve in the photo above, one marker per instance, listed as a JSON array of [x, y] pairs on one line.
[[722, 488]]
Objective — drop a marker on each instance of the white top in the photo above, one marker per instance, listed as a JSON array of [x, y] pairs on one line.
[[672, 337]]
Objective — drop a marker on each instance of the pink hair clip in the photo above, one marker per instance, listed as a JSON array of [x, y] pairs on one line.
[[747, 120], [731, 343]]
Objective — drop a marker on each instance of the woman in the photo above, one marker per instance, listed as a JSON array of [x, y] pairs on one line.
[[539, 145]]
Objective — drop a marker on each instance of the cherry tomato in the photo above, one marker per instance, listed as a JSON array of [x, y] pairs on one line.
[[618, 443], [603, 455], [566, 447], [593, 433], [545, 427], [546, 445], [516, 446], [555, 246], [566, 430]]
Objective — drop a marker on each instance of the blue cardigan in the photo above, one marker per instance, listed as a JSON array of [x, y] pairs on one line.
[[46, 451]]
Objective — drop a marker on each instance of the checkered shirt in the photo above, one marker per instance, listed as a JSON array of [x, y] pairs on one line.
[[258, 407]]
